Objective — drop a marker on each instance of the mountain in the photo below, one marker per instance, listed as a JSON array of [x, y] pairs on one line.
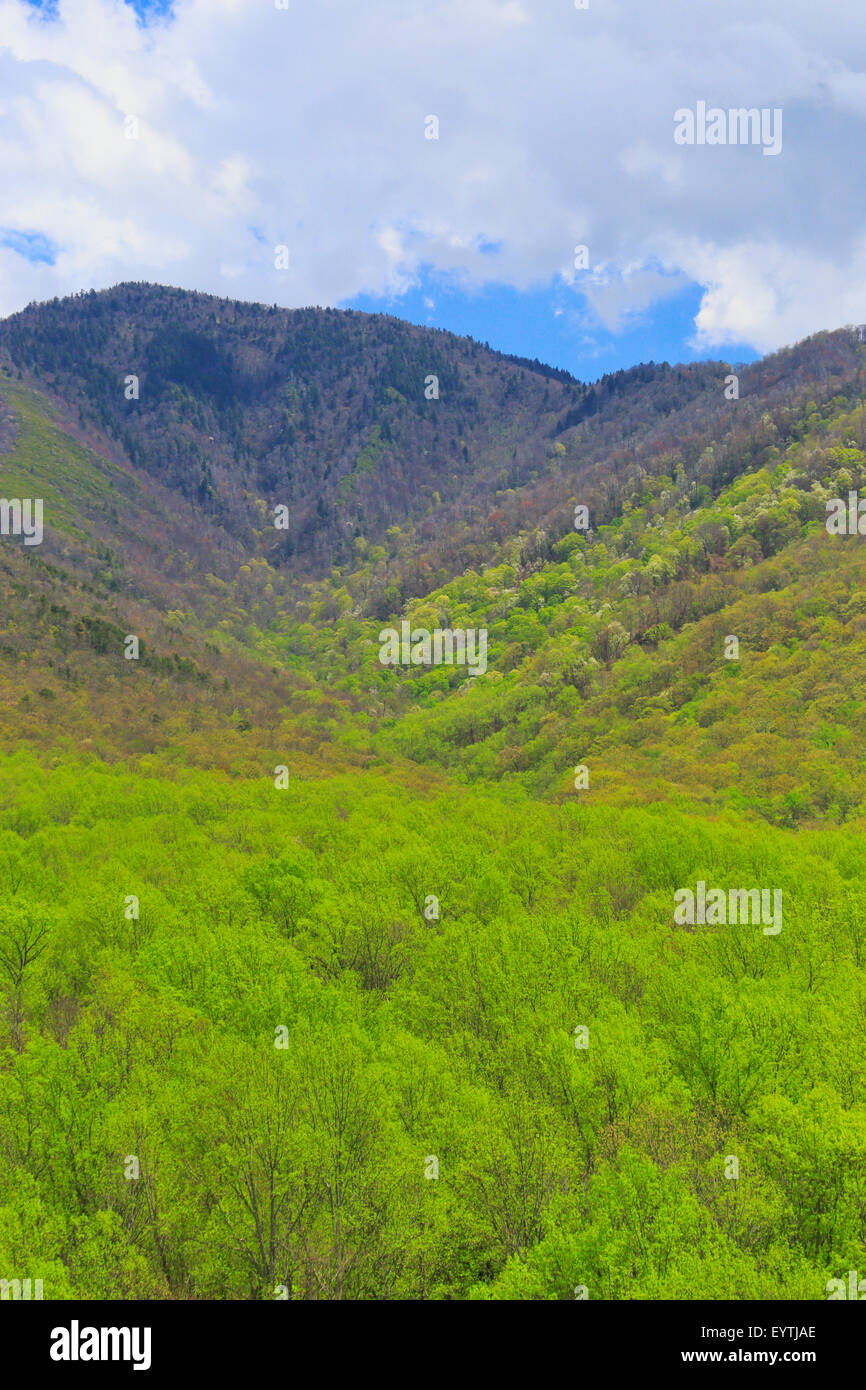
[[706, 520], [242, 408], [326, 978], [321, 411]]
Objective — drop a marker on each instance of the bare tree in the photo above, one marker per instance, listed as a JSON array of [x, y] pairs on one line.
[[23, 938]]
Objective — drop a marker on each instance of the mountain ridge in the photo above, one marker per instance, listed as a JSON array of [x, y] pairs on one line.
[[386, 957]]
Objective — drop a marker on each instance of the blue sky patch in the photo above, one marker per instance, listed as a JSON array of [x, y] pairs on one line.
[[555, 323], [33, 246], [143, 8]]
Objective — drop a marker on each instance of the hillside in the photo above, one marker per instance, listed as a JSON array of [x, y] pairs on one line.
[[327, 979], [323, 412], [241, 408]]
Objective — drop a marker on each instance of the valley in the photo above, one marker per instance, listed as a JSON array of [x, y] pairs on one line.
[[284, 1034]]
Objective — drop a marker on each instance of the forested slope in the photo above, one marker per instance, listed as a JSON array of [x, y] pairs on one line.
[[326, 979]]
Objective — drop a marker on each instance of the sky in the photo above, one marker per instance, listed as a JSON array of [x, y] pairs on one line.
[[444, 161]]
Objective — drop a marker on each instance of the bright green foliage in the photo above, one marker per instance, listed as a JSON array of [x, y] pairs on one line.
[[420, 1023], [283, 1041]]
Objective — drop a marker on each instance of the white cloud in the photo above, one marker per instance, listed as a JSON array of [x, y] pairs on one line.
[[306, 127], [616, 294], [761, 292]]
